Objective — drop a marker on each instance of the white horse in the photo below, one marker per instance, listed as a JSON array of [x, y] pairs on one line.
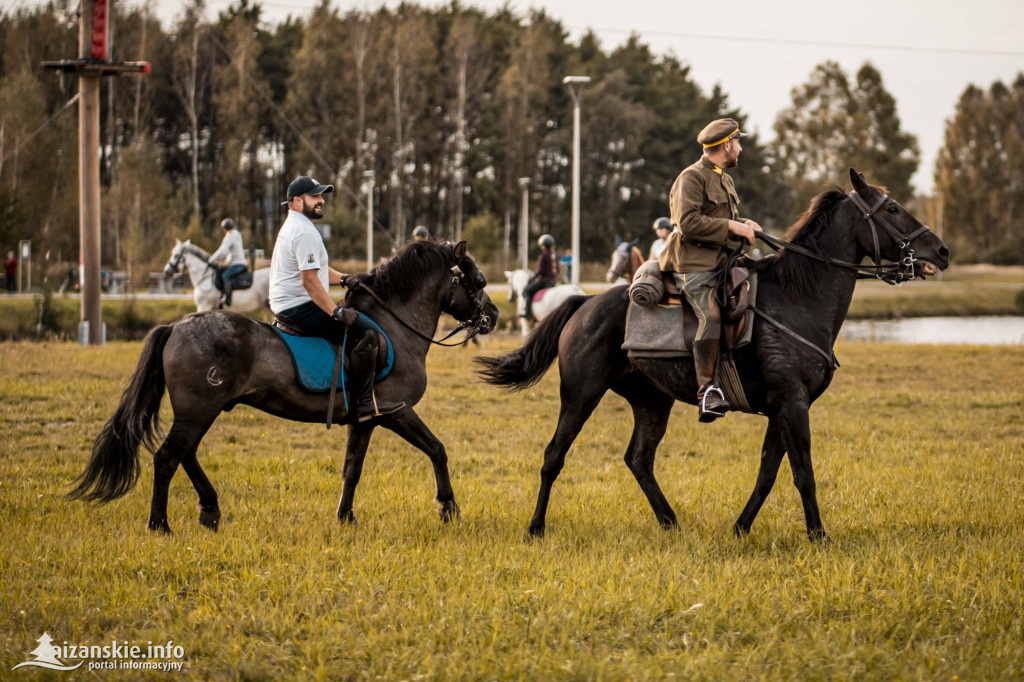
[[207, 296], [552, 297]]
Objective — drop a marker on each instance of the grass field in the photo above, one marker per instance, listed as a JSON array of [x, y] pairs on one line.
[[919, 456]]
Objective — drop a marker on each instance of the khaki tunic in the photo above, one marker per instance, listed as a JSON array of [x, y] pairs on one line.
[[701, 204]]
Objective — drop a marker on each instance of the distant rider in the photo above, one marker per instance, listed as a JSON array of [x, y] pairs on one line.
[[662, 228], [546, 274], [232, 251]]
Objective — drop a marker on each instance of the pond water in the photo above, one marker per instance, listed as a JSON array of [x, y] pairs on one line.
[[988, 330]]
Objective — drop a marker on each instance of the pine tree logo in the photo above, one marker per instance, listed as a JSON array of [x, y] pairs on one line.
[[46, 656]]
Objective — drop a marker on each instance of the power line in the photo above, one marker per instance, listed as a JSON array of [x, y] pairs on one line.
[[808, 43], [302, 138], [38, 130]]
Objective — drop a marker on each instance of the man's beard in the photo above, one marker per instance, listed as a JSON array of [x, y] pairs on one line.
[[310, 212]]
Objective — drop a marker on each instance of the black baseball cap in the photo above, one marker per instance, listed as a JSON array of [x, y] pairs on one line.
[[306, 185]]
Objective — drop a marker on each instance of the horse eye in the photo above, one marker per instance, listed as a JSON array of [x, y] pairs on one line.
[[479, 279], [893, 209]]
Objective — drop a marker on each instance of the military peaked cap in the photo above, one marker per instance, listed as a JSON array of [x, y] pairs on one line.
[[717, 132]]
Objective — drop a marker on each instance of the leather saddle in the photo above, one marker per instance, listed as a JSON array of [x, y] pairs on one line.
[[733, 295], [240, 282]]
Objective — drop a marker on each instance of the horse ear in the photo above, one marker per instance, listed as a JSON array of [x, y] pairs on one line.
[[508, 274], [633, 243], [617, 241], [858, 181], [460, 250]]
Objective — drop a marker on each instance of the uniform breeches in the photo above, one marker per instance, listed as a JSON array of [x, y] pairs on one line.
[[699, 289]]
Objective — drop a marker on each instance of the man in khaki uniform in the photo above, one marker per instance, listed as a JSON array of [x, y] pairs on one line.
[[703, 206]]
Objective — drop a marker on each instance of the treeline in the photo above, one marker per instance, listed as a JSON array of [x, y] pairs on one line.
[[449, 107]]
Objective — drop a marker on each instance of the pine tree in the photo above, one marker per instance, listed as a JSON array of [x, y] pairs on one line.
[[833, 126], [980, 175]]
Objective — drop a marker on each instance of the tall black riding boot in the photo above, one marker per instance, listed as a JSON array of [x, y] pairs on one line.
[[711, 401], [363, 367]]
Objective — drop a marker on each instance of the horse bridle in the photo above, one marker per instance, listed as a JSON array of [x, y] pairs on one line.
[[174, 263], [476, 322], [628, 254], [625, 265], [894, 273]]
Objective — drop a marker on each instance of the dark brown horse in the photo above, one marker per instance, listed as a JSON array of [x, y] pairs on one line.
[[626, 260], [806, 290], [212, 361]]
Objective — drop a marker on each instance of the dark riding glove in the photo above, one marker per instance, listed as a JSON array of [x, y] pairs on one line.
[[346, 316]]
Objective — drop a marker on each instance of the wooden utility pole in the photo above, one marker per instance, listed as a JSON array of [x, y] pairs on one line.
[[91, 65]]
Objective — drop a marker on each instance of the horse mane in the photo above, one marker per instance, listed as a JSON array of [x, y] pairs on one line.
[[636, 259], [195, 250], [797, 274], [404, 273]]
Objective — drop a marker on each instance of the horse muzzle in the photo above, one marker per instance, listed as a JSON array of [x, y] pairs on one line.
[[927, 265], [485, 319]]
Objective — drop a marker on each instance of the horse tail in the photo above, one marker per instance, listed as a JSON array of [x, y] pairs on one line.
[[113, 467], [525, 366]]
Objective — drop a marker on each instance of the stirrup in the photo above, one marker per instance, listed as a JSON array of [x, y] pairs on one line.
[[377, 412], [711, 413]]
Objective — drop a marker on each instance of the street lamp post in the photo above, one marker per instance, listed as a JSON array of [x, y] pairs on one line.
[[524, 224], [939, 215], [576, 84], [369, 219]]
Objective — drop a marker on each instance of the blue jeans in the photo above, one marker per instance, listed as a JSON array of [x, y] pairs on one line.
[[230, 273]]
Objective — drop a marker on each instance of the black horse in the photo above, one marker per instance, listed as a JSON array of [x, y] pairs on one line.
[[806, 289], [212, 361]]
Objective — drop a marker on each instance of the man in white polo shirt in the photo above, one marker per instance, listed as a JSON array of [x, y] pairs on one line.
[[300, 278]]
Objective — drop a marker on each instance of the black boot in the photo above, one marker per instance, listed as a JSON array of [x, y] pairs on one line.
[[711, 402], [227, 293], [363, 367]]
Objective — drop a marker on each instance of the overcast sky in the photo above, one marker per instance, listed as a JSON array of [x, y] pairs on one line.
[[928, 51]]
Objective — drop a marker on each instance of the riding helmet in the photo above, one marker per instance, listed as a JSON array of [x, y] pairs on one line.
[[662, 223], [227, 224], [546, 240], [420, 230]]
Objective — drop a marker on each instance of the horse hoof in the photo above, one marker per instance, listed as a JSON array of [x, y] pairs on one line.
[[348, 518], [740, 531], [817, 535], [210, 519], [160, 526], [536, 531], [449, 511]]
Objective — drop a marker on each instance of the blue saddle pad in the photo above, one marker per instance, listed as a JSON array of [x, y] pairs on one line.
[[314, 360]]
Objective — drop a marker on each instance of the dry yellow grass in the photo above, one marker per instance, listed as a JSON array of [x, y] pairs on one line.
[[920, 468]]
